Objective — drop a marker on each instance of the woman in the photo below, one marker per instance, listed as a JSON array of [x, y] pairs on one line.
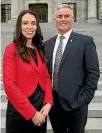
[[25, 77]]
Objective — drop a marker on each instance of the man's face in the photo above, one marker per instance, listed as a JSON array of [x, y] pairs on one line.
[[64, 20]]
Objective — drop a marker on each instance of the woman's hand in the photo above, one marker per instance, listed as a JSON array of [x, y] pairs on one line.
[[45, 109], [38, 119]]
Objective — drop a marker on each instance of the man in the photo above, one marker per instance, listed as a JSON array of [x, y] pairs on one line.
[[74, 68]]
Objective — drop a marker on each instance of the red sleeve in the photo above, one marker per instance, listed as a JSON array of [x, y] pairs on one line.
[[48, 88], [19, 101]]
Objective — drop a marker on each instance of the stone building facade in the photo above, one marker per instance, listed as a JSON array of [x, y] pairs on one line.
[[84, 10]]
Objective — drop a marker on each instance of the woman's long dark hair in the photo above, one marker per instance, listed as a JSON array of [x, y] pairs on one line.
[[20, 40]]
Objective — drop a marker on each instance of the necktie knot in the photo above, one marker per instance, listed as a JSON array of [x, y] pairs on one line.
[[61, 38]]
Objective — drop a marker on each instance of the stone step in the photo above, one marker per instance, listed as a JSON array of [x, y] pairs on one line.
[[100, 63], [1, 75], [100, 58], [99, 82], [100, 79], [5, 39], [94, 125], [2, 70], [51, 131], [94, 110], [99, 88], [47, 26], [100, 69], [88, 31], [96, 99], [49, 29]]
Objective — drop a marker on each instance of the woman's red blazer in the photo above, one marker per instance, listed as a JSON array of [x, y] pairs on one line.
[[20, 80]]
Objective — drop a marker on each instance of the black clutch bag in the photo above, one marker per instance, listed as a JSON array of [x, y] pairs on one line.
[[37, 98]]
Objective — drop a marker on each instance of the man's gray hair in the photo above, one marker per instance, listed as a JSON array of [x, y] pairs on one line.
[[64, 6]]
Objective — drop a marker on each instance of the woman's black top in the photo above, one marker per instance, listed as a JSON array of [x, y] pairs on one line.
[[33, 54]]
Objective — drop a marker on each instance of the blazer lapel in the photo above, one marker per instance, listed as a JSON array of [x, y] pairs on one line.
[[70, 42], [51, 51]]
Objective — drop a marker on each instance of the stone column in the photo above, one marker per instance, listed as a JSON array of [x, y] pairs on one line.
[[15, 9], [22, 5], [92, 11], [82, 10], [100, 9], [56, 3]]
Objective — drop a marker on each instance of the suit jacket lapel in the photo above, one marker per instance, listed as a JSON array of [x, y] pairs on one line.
[[70, 42], [51, 51]]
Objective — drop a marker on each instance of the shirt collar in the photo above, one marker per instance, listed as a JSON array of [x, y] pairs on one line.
[[66, 35]]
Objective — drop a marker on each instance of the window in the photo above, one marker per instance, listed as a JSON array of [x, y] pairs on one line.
[[5, 12], [41, 10]]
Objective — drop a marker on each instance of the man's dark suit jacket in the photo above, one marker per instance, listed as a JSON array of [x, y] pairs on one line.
[[78, 72]]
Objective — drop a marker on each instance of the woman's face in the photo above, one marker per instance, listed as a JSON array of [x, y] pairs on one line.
[[28, 26]]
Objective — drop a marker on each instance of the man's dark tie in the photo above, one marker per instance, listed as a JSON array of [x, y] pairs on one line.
[[58, 58]]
